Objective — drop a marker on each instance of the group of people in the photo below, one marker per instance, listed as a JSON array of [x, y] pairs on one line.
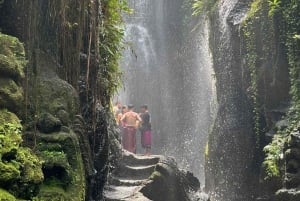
[[129, 122]]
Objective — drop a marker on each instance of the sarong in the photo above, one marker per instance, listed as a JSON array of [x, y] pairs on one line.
[[146, 139], [129, 139]]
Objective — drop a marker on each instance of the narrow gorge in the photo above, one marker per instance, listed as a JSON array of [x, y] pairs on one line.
[[221, 79]]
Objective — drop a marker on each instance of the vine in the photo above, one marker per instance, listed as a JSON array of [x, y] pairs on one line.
[[261, 9], [251, 62], [289, 28], [290, 34], [111, 45]]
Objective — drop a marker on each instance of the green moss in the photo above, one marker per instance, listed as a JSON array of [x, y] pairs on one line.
[[6, 196], [49, 147], [52, 193], [10, 137], [20, 169], [155, 175], [60, 152], [11, 46], [11, 95], [12, 56], [11, 67], [6, 116], [52, 158], [9, 171], [31, 166]]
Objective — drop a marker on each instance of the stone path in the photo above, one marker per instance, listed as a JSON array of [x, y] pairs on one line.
[[126, 181]]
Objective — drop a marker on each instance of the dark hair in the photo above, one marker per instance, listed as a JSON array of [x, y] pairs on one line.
[[145, 107], [130, 106], [124, 107]]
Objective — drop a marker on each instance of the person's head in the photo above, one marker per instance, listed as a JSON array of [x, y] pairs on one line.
[[130, 107], [124, 109], [144, 108]]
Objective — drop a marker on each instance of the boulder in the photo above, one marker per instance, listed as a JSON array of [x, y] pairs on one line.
[[151, 178], [176, 184]]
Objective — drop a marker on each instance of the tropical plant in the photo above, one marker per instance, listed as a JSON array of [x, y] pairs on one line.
[[111, 45]]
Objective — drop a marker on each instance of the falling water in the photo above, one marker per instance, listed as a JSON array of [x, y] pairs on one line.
[[168, 66]]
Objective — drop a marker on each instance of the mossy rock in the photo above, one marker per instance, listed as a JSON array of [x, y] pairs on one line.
[[62, 166], [6, 116], [58, 98], [11, 95], [55, 158], [10, 133], [31, 166], [9, 171], [6, 196], [51, 193], [20, 170], [12, 57], [10, 67], [11, 46], [47, 123]]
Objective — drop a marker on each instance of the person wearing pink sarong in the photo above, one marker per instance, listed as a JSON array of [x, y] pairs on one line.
[[130, 120], [145, 128]]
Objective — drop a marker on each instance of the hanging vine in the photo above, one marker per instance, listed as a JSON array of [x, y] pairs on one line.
[[111, 46]]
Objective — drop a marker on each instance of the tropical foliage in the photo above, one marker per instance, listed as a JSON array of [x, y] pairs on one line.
[[111, 44]]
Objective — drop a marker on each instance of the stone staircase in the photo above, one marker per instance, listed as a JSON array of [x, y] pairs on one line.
[[126, 181]]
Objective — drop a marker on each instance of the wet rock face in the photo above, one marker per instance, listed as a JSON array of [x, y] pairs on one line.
[[238, 33], [231, 147]]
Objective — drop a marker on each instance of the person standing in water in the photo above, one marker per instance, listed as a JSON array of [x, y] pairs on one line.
[[145, 128], [129, 120]]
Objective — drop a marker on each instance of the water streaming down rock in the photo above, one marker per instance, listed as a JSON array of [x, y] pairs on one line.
[[168, 66], [231, 172]]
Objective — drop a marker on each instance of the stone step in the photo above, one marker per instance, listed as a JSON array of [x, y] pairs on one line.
[[117, 181], [134, 172], [140, 160], [116, 193]]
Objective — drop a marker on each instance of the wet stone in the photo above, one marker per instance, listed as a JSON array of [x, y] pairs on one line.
[[287, 195]]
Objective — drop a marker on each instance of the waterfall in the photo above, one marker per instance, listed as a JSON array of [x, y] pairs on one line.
[[169, 67]]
